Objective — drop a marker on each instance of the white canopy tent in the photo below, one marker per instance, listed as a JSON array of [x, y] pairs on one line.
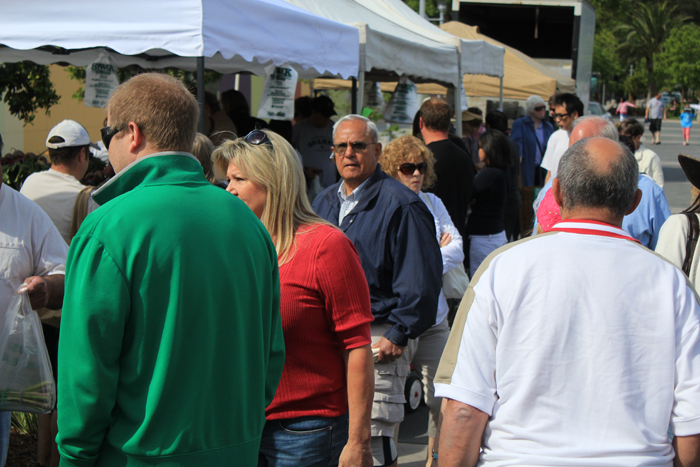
[[233, 36], [396, 41]]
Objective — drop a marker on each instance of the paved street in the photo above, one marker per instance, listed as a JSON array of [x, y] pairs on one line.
[[676, 185], [413, 437]]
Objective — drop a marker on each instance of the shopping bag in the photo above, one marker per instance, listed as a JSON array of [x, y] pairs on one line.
[[26, 379], [455, 282]]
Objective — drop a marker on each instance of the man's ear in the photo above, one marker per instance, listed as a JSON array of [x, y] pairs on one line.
[[420, 123], [637, 200], [137, 137], [556, 191]]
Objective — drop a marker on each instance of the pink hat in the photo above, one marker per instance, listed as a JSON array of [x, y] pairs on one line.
[[548, 213]]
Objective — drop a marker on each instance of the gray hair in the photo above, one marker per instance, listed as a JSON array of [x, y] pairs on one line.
[[531, 103], [583, 184], [371, 128], [607, 128]]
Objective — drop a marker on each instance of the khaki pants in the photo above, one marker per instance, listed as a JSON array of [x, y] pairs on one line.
[[389, 383]]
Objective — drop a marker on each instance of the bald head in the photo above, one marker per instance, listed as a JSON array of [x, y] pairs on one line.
[[591, 126], [598, 173]]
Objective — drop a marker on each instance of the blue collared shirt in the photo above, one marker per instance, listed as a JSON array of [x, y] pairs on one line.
[[348, 202]]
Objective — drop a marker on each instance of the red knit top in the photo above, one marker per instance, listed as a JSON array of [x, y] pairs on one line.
[[325, 309]]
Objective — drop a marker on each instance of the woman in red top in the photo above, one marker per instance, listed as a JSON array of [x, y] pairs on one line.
[[324, 399]]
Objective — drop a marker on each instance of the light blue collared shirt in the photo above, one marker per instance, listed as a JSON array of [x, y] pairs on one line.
[[348, 202]]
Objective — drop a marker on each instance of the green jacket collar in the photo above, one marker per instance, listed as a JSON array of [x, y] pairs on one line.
[[155, 169]]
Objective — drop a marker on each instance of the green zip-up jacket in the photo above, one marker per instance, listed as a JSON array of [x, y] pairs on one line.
[[171, 343]]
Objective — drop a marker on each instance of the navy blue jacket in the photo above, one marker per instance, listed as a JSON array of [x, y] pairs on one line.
[[523, 133], [394, 234]]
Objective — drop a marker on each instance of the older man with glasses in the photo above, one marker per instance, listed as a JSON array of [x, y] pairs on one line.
[[566, 109], [394, 234]]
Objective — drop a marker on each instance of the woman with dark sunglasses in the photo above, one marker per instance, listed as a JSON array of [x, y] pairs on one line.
[[320, 415], [409, 160], [486, 225]]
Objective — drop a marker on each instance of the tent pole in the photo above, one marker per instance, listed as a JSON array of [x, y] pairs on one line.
[[200, 92], [500, 105], [360, 92], [458, 96], [353, 94]]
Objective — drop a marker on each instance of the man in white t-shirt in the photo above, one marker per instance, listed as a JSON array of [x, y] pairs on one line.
[[56, 189], [566, 109], [32, 254], [577, 359]]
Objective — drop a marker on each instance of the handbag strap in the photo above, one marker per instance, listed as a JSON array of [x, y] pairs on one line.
[[691, 242], [427, 201]]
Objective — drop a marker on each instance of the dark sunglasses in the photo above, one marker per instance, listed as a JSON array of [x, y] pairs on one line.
[[357, 146], [409, 169], [108, 133], [257, 137], [556, 116], [541, 107]]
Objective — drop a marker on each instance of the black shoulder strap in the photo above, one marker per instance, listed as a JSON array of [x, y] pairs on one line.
[[692, 241]]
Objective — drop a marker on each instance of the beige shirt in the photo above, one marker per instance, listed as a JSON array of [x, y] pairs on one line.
[[650, 164], [55, 193]]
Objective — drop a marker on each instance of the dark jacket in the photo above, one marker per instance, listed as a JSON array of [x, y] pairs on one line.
[[523, 133], [394, 234]]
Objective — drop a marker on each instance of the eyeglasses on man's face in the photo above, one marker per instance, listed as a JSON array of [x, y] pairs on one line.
[[356, 146], [539, 108], [557, 116], [108, 133]]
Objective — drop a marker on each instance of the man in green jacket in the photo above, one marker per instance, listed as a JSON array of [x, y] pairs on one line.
[[171, 343]]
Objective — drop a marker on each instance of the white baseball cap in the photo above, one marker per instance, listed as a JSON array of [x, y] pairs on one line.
[[72, 132]]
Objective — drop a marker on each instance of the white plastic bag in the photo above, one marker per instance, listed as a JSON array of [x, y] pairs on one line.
[[26, 379], [100, 80], [403, 105], [277, 101]]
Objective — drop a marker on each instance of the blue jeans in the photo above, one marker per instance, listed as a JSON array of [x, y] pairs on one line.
[[303, 441]]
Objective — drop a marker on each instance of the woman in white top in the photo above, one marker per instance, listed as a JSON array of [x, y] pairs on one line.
[[409, 161], [673, 237]]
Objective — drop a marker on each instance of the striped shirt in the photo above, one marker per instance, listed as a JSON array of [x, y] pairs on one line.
[[348, 202]]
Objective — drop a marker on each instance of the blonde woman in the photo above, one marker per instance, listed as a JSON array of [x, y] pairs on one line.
[[410, 161], [325, 395]]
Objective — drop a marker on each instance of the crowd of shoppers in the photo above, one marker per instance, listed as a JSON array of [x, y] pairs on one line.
[[253, 325]]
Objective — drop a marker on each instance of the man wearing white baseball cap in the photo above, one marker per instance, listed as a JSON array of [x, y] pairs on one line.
[[56, 189]]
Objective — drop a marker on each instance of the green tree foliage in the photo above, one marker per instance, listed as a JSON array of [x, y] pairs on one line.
[[644, 33], [681, 57], [431, 9], [606, 61], [26, 88]]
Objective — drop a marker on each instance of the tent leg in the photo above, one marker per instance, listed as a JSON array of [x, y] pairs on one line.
[[353, 94], [360, 92], [458, 97], [200, 92], [500, 105]]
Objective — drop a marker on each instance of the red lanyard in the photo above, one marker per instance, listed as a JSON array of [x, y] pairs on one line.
[[586, 227]]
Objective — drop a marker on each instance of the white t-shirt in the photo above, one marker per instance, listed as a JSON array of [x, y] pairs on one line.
[[452, 253], [55, 193], [314, 144], [30, 245], [556, 147], [582, 349]]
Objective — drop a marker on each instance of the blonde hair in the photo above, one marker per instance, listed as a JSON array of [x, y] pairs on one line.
[[278, 170], [401, 150], [202, 150], [162, 107]]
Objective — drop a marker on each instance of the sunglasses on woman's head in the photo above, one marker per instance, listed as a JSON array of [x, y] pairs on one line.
[[257, 137], [408, 168]]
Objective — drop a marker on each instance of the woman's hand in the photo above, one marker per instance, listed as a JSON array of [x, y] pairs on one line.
[[445, 239]]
